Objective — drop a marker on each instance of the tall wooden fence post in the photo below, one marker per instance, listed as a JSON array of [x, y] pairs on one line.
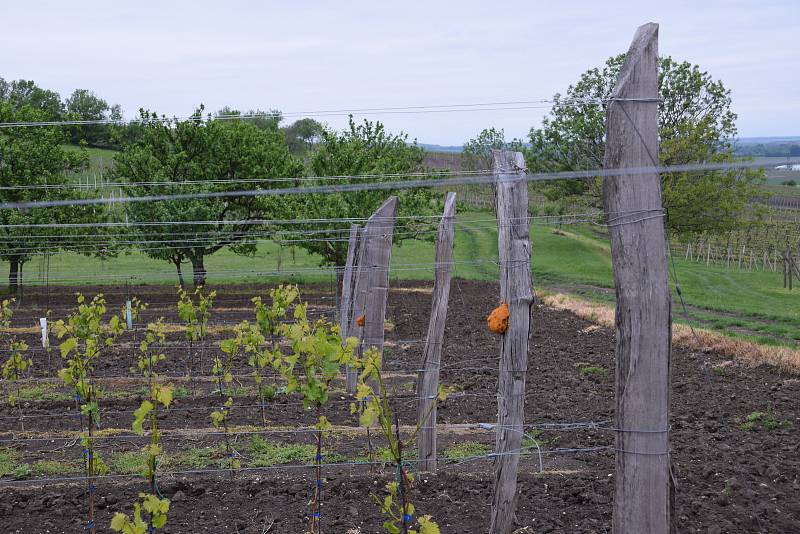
[[514, 251], [372, 281], [346, 304], [428, 381], [643, 323]]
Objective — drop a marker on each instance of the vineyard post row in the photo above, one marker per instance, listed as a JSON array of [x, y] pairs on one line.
[[634, 208]]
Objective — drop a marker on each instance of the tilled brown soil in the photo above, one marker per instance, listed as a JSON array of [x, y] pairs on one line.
[[728, 479]]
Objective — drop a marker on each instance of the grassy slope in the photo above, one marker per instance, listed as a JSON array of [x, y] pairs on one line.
[[100, 161]]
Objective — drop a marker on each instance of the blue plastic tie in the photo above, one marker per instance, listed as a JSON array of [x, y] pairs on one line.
[[92, 488], [315, 515], [90, 525], [319, 483], [319, 457], [407, 518]]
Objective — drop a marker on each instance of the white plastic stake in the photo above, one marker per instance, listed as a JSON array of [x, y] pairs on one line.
[[128, 314], [45, 338]]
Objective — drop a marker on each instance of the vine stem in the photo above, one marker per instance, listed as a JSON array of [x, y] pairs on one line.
[[191, 368], [90, 463], [224, 409], [19, 401], [154, 438], [401, 473], [316, 517]]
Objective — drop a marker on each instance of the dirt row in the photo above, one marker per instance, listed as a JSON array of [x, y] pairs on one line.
[[734, 440]]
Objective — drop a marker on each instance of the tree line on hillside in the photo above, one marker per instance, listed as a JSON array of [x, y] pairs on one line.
[[159, 155], [86, 105]]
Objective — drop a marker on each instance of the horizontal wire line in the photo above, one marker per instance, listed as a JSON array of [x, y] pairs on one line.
[[504, 175], [278, 222], [165, 183], [442, 108]]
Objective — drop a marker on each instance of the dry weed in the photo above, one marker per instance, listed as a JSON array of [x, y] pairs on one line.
[[707, 341]]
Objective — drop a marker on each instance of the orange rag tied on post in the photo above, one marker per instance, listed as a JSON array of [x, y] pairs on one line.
[[498, 319], [360, 320]]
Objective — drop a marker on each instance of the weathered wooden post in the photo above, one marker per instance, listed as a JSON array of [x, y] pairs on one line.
[[428, 380], [785, 270], [514, 251], [643, 323], [346, 304], [372, 281]]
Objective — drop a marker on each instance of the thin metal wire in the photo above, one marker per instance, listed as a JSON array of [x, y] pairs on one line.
[[391, 185], [443, 108]]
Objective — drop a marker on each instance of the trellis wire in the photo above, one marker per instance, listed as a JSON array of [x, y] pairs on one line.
[[395, 185]]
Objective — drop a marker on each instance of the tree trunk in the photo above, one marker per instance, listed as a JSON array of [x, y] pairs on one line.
[[198, 270], [177, 263], [14, 276]]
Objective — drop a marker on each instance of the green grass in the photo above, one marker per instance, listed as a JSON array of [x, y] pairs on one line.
[[265, 453], [128, 463], [762, 420], [197, 457], [384, 454], [593, 370], [100, 162], [54, 467], [9, 459], [43, 392], [466, 449]]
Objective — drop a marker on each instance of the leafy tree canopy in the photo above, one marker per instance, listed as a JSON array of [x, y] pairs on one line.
[[213, 155], [363, 149], [85, 105], [696, 124], [31, 158], [264, 120], [477, 152], [302, 135], [19, 93]]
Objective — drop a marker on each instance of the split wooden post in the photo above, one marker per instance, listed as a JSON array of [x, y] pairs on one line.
[[643, 323], [346, 304], [428, 380], [514, 251], [372, 281]]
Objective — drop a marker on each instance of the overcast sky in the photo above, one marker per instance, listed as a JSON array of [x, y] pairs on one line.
[[306, 55]]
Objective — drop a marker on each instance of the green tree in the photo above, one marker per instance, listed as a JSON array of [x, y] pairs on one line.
[[263, 120], [696, 125], [477, 152], [84, 105], [30, 159], [302, 135], [362, 149], [19, 93], [202, 156]]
